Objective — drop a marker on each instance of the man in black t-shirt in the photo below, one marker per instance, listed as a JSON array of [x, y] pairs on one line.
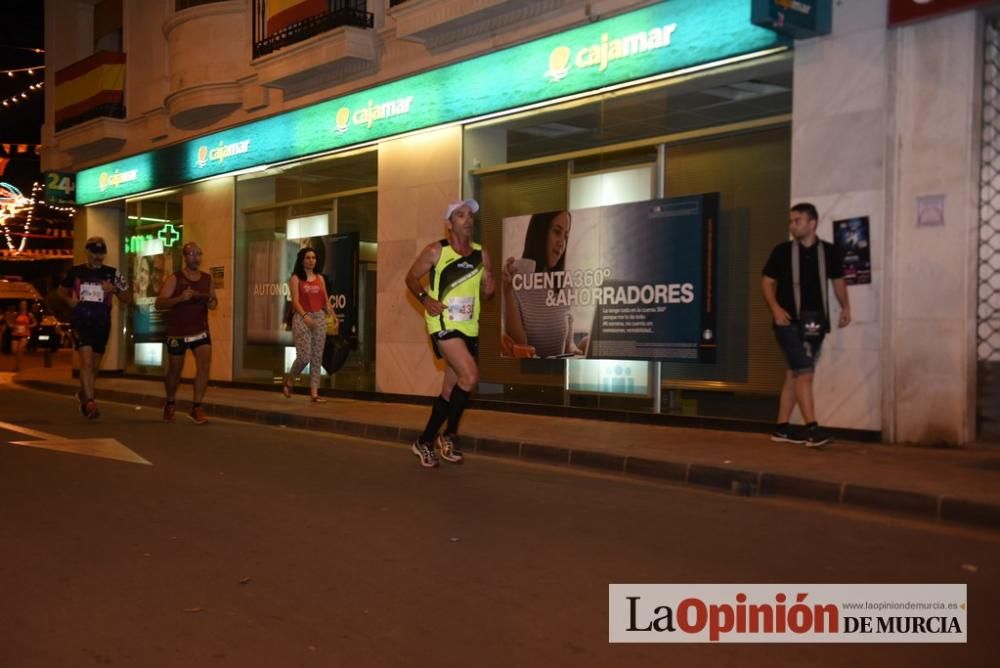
[[89, 289], [801, 321]]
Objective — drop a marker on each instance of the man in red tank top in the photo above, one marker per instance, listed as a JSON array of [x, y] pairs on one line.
[[187, 295]]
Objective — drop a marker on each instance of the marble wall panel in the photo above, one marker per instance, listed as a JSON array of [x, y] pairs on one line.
[[418, 176], [208, 210], [930, 385], [841, 153]]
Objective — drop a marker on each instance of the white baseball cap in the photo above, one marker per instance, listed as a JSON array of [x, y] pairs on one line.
[[471, 203]]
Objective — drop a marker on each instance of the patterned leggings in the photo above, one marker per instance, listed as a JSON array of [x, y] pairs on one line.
[[309, 345]]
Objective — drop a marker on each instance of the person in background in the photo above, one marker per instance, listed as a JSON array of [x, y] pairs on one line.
[[8, 321], [794, 285], [37, 314], [24, 325], [310, 306]]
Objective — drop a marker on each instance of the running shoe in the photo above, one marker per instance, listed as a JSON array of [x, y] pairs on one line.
[[789, 434], [426, 454], [197, 415], [448, 449], [90, 408], [168, 411], [816, 437]]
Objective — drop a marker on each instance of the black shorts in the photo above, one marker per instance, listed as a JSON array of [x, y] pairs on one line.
[[176, 345], [471, 342], [91, 333], [801, 355]]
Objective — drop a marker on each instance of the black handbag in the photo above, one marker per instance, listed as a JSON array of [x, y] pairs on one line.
[[335, 353], [811, 324]]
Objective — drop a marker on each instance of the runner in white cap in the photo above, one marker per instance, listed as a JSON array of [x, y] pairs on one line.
[[459, 277]]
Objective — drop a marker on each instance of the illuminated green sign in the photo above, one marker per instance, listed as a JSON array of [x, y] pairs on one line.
[[663, 38], [169, 235]]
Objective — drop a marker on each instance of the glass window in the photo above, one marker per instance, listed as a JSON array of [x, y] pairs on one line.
[[725, 131], [328, 204], [154, 228]]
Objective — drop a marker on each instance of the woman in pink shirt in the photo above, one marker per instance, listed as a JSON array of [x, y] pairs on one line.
[[21, 330], [310, 306]]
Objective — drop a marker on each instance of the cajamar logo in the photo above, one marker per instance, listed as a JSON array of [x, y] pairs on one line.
[[371, 114], [115, 179], [608, 50], [221, 152]]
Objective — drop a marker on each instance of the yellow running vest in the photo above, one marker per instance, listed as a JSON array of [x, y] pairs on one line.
[[454, 281]]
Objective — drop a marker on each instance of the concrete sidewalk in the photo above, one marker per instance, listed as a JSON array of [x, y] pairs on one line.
[[949, 485]]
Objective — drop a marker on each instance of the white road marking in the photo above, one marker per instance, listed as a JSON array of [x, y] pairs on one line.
[[106, 448]]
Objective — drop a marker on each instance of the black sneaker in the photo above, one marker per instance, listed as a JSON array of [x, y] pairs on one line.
[[449, 449], [426, 454], [816, 437], [789, 434]]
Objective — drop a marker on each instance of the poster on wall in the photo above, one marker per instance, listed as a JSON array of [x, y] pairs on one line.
[[269, 267], [341, 270], [852, 238], [148, 273], [631, 281]]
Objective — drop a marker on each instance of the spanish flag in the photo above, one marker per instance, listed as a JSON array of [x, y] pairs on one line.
[[283, 13], [87, 85]]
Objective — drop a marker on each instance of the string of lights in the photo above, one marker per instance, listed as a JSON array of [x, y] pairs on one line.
[[22, 48], [13, 204], [30, 71], [23, 95], [64, 209]]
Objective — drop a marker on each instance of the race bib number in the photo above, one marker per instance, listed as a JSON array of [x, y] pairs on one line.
[[91, 292], [461, 308]]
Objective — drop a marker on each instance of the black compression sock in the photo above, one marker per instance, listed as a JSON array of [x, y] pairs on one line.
[[459, 397], [439, 413]]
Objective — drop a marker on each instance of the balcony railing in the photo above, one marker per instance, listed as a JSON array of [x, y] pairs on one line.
[[109, 110], [188, 4], [338, 13]]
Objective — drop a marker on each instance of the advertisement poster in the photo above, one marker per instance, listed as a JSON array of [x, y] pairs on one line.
[[342, 252], [269, 267], [629, 281], [148, 273], [852, 238]]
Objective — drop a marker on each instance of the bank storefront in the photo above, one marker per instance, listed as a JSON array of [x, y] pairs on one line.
[[680, 111]]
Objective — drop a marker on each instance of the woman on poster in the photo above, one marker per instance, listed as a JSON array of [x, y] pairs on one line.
[[531, 327]]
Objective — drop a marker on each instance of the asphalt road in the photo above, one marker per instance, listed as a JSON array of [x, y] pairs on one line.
[[243, 545]]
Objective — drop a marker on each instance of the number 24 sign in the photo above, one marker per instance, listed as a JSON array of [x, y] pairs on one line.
[[60, 187]]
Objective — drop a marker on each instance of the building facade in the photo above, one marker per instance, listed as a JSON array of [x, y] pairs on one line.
[[256, 126]]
